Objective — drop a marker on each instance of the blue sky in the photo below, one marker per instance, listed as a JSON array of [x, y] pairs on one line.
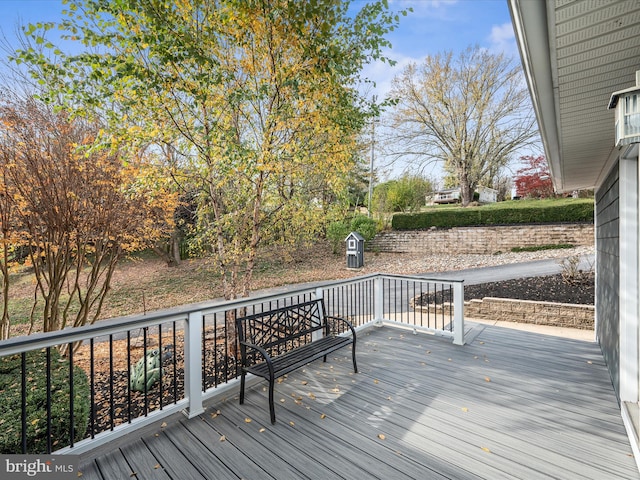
[[433, 26]]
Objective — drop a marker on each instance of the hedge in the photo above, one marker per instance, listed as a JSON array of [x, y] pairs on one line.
[[511, 213], [11, 405]]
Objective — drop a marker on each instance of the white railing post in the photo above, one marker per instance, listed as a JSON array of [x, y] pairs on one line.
[[378, 305], [193, 364], [458, 313]]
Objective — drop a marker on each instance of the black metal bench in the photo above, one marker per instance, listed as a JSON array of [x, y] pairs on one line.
[[276, 342]]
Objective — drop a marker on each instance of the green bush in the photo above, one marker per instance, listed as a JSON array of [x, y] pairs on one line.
[[10, 406], [337, 231], [503, 213], [364, 225]]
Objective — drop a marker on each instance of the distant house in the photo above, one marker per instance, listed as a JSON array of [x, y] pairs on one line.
[[452, 195], [487, 195], [449, 195]]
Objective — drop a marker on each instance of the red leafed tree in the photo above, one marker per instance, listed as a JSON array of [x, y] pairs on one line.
[[534, 180]]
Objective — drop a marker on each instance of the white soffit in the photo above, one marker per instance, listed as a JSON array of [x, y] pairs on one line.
[[575, 54]]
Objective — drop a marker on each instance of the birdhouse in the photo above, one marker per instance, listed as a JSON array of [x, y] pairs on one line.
[[627, 105], [355, 250]]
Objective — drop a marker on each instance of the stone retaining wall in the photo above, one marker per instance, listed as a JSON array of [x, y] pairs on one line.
[[524, 311], [481, 240]]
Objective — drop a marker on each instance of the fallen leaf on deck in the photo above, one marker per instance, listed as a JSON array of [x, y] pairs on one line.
[[304, 382], [465, 409], [282, 400], [486, 449], [292, 424], [156, 466], [590, 362], [376, 381], [262, 430], [381, 436], [163, 424], [335, 390], [487, 379], [223, 438], [312, 396], [323, 416], [247, 420]]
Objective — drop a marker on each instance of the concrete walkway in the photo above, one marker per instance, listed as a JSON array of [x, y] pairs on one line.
[[498, 273]]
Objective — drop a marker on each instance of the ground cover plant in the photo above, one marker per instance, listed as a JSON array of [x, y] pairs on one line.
[[36, 401]]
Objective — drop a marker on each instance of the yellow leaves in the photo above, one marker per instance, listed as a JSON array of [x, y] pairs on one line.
[[464, 409], [381, 436], [247, 420], [487, 379], [485, 449]]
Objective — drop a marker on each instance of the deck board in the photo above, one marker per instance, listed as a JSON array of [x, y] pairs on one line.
[[511, 404]]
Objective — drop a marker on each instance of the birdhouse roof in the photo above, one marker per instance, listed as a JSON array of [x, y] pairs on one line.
[[355, 235]]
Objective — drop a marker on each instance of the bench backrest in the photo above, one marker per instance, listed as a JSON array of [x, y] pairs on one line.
[[284, 328]]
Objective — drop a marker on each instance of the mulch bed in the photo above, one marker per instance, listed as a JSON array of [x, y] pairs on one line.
[[550, 288]]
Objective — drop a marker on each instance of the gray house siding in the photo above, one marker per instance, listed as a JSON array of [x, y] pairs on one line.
[[608, 268]]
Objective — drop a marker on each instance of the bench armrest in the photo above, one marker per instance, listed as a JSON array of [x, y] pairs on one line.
[[260, 350], [345, 321]]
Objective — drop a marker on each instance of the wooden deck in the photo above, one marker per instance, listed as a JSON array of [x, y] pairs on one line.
[[510, 404]]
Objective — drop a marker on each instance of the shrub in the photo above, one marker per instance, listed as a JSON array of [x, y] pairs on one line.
[[10, 407], [503, 213], [364, 225], [337, 231]]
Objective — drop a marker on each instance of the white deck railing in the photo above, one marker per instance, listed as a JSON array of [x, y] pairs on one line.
[[201, 358]]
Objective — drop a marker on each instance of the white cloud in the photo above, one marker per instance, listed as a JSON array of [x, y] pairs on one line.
[[382, 73], [503, 39]]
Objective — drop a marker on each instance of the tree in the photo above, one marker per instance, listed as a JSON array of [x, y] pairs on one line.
[[407, 193], [257, 96], [74, 208], [534, 179], [471, 113]]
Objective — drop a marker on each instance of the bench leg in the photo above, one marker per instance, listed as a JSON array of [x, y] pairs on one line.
[[242, 375], [272, 408], [353, 356]]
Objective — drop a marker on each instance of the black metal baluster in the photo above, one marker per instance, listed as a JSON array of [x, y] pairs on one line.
[[215, 351], [144, 356], [111, 397], [175, 365], [24, 401], [48, 399], [92, 390], [129, 376], [72, 432], [161, 355], [204, 353]]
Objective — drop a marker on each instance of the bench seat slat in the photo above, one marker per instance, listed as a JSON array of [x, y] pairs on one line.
[[300, 356]]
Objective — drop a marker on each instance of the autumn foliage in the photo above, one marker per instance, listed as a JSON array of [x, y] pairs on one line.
[[534, 179], [69, 211]]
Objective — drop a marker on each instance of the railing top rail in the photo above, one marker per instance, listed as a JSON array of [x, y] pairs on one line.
[[123, 324]]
